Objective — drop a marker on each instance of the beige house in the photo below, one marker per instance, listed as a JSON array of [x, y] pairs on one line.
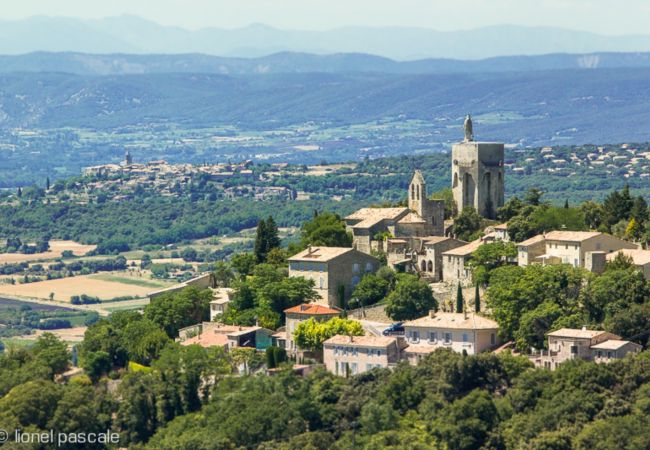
[[219, 304], [569, 343], [352, 355], [335, 271], [640, 258], [455, 267], [586, 249], [299, 314], [460, 332]]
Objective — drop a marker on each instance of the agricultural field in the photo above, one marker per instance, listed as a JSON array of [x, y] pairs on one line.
[[56, 250], [105, 286]]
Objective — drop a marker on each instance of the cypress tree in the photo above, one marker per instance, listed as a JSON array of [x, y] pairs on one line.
[[272, 235], [260, 242], [477, 300], [459, 299]]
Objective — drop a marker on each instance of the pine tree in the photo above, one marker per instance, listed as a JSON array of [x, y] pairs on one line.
[[477, 300], [566, 204], [459, 299], [640, 210], [47, 184], [19, 193]]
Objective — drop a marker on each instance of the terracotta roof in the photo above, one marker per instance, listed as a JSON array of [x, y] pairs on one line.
[[571, 236], [577, 333], [412, 218], [639, 257], [611, 344], [361, 341], [458, 321], [311, 309], [321, 254], [465, 250], [420, 348], [534, 240], [208, 340]]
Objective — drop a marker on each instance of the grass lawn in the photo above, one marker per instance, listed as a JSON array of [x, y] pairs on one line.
[[17, 342]]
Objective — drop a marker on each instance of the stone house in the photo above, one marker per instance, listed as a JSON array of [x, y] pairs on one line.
[[569, 343], [220, 301], [460, 332], [455, 267], [422, 255], [299, 314], [586, 249], [352, 355], [335, 271], [422, 217]]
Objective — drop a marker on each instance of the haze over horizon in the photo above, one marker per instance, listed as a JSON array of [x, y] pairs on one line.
[[606, 17]]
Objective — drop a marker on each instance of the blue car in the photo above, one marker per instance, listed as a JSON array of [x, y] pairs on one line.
[[396, 328]]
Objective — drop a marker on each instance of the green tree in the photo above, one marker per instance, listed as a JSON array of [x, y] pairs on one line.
[[412, 298], [243, 263], [223, 274], [52, 352], [95, 364], [477, 299], [468, 224], [325, 229], [310, 334], [370, 290], [459, 299], [488, 257], [179, 309], [143, 340]]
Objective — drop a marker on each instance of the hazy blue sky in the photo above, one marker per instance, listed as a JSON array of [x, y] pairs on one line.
[[602, 16]]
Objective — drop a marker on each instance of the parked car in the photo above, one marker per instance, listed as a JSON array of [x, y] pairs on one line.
[[395, 329]]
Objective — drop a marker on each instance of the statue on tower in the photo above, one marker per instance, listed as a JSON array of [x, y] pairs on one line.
[[469, 129]]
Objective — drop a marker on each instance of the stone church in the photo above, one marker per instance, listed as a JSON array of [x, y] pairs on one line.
[[405, 233]]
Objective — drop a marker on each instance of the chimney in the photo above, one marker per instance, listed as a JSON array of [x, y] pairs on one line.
[[584, 328], [432, 313], [351, 338], [309, 250]]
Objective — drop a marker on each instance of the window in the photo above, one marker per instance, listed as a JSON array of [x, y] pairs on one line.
[[355, 351], [355, 268], [322, 283], [493, 339], [465, 337], [368, 267], [599, 353], [353, 368], [609, 354], [355, 281], [336, 367], [433, 336], [447, 338], [368, 366], [415, 336], [574, 349]]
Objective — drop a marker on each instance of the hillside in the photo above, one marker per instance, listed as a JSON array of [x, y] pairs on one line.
[[562, 106], [291, 62]]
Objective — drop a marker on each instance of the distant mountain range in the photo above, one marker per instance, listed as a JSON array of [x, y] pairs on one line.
[[541, 107], [129, 34], [288, 62]]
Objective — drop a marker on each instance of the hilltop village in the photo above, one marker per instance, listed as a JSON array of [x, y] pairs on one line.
[[418, 239], [390, 303]]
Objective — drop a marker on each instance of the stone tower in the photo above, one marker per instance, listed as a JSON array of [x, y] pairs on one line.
[[432, 211], [128, 159], [477, 175]]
